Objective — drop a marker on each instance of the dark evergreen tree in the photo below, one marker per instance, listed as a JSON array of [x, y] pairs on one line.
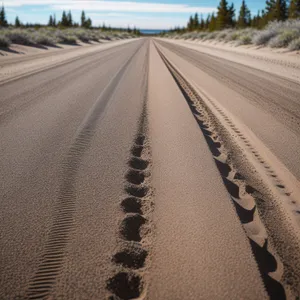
[[88, 23], [202, 23], [3, 21], [64, 20], [190, 25], [231, 16], [207, 21], [196, 22], [17, 22], [212, 23], [54, 20], [244, 19], [255, 20], [270, 7], [279, 12], [50, 23], [70, 19], [222, 16], [83, 19], [294, 9]]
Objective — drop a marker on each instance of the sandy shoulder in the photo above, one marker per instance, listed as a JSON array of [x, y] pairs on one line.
[[21, 60], [280, 62]]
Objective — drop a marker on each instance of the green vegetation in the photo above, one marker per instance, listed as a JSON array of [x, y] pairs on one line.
[[275, 10], [278, 25], [64, 31], [276, 35]]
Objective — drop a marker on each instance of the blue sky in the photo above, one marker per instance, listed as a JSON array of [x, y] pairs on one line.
[[144, 14]]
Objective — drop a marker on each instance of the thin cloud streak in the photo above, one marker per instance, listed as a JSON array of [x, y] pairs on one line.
[[120, 6]]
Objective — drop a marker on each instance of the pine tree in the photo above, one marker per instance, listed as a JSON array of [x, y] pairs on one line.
[[244, 16], [207, 21], [255, 20], [50, 23], [270, 7], [3, 21], [54, 20], [294, 9], [231, 16], [279, 12], [17, 22], [202, 23], [190, 24], [70, 19], [196, 22], [212, 23], [83, 20], [222, 16], [64, 20], [88, 23]]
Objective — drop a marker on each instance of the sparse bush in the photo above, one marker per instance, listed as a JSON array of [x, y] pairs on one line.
[[232, 36], [65, 38], [210, 36], [244, 40], [263, 37], [202, 35], [284, 38], [4, 41], [294, 45], [221, 35], [19, 36], [82, 35], [50, 36], [44, 39], [278, 34]]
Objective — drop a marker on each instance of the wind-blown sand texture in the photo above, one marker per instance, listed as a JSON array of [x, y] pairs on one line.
[[149, 169]]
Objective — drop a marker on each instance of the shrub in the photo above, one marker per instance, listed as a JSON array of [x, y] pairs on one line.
[[221, 35], [4, 41], [210, 36], [294, 45], [202, 35], [284, 38], [244, 40], [263, 37], [82, 35], [18, 36], [66, 38], [232, 36], [44, 39]]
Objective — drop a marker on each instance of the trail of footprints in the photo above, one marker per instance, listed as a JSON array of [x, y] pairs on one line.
[[244, 197], [135, 229]]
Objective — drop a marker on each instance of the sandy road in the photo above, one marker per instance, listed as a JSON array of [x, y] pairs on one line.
[[120, 180]]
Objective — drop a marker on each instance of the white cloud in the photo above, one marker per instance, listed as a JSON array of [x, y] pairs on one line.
[[108, 15], [120, 6]]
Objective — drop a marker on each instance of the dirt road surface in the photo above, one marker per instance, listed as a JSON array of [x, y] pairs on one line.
[[148, 169]]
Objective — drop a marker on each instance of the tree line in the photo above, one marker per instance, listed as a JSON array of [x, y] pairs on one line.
[[275, 10], [66, 21]]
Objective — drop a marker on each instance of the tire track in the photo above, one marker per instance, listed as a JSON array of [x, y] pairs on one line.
[[135, 229], [52, 259], [281, 101], [242, 194]]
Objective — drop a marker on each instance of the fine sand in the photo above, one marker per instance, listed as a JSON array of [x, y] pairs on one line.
[[149, 169]]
